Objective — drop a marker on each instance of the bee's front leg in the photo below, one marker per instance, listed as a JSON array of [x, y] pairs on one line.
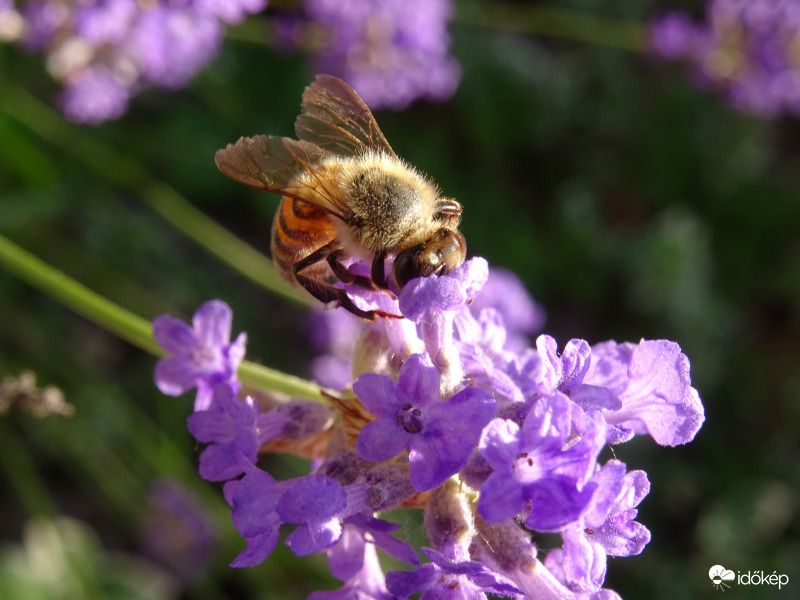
[[378, 271]]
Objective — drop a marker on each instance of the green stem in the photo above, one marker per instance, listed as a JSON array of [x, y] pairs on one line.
[[220, 242], [567, 24], [265, 378], [128, 326], [79, 298], [166, 201]]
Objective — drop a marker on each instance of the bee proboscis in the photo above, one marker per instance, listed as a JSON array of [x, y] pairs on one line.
[[346, 194]]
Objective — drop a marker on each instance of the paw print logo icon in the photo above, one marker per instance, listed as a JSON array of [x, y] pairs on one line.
[[719, 575]]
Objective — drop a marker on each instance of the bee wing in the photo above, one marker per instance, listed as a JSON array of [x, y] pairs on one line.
[[335, 118], [283, 166]]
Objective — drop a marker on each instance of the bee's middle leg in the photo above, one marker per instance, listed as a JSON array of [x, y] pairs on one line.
[[344, 275], [326, 293]]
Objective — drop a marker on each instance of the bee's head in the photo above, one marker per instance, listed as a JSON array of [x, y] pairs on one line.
[[439, 255]]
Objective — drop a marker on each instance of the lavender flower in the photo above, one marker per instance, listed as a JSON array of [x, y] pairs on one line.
[[652, 381], [367, 582], [391, 52], [440, 436], [253, 500], [105, 51], [234, 430], [496, 434], [202, 355], [448, 578], [746, 49], [537, 467], [317, 503]]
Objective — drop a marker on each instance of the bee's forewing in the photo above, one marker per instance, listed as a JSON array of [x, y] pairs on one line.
[[335, 118], [283, 166]]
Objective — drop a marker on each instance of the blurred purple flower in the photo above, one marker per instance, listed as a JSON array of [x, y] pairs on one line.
[[104, 51], [105, 21], [176, 531], [505, 293], [746, 48], [173, 43], [391, 52], [93, 95]]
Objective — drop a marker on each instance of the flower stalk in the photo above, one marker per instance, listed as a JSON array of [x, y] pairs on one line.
[[128, 326]]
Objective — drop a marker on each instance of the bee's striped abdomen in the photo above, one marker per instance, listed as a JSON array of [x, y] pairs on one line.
[[298, 230]]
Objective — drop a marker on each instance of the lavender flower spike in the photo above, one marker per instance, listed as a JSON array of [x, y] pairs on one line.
[[202, 355]]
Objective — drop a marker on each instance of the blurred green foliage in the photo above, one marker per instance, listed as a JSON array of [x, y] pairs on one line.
[[631, 204]]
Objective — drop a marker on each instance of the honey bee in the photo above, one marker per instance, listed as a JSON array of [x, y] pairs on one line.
[[346, 195]]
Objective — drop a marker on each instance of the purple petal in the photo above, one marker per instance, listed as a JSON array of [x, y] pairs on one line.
[[221, 463], [431, 293], [659, 399], [174, 376], [212, 426], [418, 383], [499, 443], [404, 583], [501, 498], [314, 537], [258, 549], [213, 322], [346, 557], [312, 497], [555, 503], [377, 393], [173, 335], [381, 439], [253, 501]]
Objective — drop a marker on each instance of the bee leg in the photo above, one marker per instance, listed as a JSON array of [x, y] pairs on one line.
[[325, 293], [378, 271], [344, 275]]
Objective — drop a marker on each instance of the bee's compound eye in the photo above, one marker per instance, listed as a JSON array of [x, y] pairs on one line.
[[440, 255], [452, 250]]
